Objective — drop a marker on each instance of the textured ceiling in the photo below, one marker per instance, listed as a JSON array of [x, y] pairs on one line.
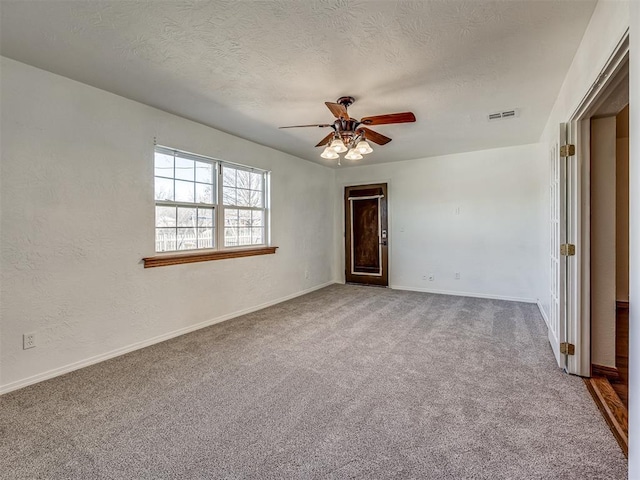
[[247, 67]]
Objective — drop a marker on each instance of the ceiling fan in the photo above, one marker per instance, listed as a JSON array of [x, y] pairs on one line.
[[350, 134]]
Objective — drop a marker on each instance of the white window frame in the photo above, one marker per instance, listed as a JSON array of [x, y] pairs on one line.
[[218, 205], [265, 202]]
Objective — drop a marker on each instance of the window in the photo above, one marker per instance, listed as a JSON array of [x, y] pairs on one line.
[[243, 199], [191, 203]]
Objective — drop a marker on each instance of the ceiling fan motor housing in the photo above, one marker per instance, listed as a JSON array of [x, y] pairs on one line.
[[347, 131], [346, 101]]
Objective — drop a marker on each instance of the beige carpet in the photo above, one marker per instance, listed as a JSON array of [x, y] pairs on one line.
[[346, 382]]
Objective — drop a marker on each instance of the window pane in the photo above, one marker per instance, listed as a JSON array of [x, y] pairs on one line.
[[256, 199], [204, 172], [186, 239], [185, 169], [164, 189], [256, 181], [204, 193], [230, 217], [205, 238], [187, 217], [242, 188], [257, 236], [230, 237], [205, 217], [229, 176], [165, 216], [163, 165], [243, 179], [244, 236], [257, 218], [184, 191], [244, 218], [165, 239], [244, 198], [228, 196]]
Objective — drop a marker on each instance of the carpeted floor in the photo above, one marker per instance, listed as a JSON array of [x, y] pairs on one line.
[[346, 382]]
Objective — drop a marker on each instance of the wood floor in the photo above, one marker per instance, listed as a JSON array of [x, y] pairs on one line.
[[609, 387]]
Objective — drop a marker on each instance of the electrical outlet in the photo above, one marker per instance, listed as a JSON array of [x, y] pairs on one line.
[[424, 277], [457, 275], [28, 340], [432, 278], [306, 273]]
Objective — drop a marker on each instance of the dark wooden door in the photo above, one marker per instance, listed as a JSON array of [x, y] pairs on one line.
[[366, 234]]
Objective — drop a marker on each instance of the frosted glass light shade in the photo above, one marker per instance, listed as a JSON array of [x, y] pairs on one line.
[[338, 146], [329, 154], [353, 155], [363, 147]]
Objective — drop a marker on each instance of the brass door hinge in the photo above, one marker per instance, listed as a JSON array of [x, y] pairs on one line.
[[567, 249], [567, 348], [567, 150]]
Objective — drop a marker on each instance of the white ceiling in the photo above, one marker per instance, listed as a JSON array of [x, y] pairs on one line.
[[248, 67]]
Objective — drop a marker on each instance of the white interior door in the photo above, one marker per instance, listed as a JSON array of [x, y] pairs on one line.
[[555, 203], [558, 236], [576, 332]]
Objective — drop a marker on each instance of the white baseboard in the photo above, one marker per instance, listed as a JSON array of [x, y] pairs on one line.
[[9, 387], [543, 313], [465, 294]]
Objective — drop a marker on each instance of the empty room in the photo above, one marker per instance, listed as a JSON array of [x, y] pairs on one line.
[[286, 239]]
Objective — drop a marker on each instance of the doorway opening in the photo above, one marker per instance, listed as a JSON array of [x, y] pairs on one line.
[[603, 285]]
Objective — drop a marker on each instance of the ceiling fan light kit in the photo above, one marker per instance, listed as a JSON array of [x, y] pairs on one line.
[[349, 135], [353, 155], [363, 147], [338, 146], [329, 153]]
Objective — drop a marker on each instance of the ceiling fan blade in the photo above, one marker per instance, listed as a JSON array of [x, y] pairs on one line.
[[375, 137], [404, 117], [338, 110], [321, 125], [325, 140]]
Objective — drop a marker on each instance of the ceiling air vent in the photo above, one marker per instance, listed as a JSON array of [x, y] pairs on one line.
[[492, 117]]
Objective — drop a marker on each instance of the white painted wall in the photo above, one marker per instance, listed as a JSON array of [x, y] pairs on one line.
[[495, 242], [634, 242], [603, 241], [78, 216]]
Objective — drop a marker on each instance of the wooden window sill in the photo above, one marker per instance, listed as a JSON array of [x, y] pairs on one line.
[[180, 258]]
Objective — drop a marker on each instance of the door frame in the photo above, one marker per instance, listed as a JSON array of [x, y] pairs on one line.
[[379, 279], [578, 295], [341, 243]]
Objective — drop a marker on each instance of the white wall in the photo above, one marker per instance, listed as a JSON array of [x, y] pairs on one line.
[[603, 241], [634, 242], [78, 216], [495, 240]]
